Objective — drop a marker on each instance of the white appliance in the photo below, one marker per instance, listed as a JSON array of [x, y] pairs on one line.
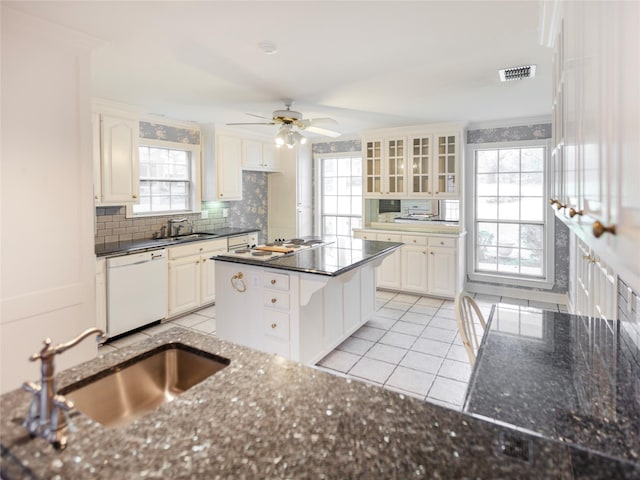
[[137, 290]]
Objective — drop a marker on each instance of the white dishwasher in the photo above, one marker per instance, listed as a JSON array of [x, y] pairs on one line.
[[137, 289]]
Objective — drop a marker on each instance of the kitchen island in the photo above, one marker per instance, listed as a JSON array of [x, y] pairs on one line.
[[266, 417], [300, 305]]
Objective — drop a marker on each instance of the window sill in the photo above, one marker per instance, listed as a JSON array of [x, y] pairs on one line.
[[505, 280]]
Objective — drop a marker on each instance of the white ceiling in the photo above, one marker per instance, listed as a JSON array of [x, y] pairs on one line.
[[367, 64]]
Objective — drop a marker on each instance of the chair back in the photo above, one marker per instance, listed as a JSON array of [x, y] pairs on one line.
[[471, 324]]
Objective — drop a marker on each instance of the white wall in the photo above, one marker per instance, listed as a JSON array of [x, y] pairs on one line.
[[46, 247]]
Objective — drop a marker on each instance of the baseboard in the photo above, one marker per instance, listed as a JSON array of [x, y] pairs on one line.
[[536, 295]]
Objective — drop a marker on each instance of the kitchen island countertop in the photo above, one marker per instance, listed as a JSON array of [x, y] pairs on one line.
[[265, 417]]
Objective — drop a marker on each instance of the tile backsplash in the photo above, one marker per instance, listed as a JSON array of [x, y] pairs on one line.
[[112, 225]]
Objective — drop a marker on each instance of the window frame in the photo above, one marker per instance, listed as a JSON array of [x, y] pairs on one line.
[[195, 187], [318, 159], [504, 278]]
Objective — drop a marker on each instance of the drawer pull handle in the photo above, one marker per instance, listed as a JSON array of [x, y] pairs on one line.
[[273, 281], [599, 229], [238, 283], [273, 325], [273, 300]]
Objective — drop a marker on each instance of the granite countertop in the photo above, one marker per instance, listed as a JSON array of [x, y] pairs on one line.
[[136, 246], [266, 417], [567, 377], [331, 259]]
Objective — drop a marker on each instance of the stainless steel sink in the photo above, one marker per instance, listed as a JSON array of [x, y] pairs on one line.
[[122, 393]]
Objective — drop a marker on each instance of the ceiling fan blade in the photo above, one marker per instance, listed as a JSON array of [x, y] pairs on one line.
[[252, 123], [259, 116], [322, 131], [317, 121]]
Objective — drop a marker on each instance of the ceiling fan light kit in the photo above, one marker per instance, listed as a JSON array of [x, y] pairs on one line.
[[292, 121]]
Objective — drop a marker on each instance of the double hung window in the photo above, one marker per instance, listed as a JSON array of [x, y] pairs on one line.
[[168, 179], [512, 236]]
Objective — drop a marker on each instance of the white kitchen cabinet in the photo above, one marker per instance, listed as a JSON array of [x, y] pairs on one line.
[[229, 167], [427, 264], [290, 195], [184, 285], [101, 294], [259, 156], [433, 165], [415, 162], [192, 275], [596, 114], [115, 151]]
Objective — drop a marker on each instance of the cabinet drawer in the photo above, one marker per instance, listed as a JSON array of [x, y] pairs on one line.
[[275, 299], [364, 235], [414, 240], [276, 324], [196, 248], [278, 281], [442, 242], [389, 237]]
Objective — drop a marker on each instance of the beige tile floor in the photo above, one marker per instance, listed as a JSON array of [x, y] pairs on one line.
[[411, 345]]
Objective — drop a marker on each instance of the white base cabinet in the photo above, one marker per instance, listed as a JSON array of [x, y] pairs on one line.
[[299, 316], [428, 264], [192, 275]]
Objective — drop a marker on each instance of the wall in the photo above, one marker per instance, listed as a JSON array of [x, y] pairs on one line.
[[252, 211], [533, 131], [47, 267]]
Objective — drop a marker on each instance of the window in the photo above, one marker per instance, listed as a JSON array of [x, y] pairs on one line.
[[168, 174], [340, 195], [511, 231]]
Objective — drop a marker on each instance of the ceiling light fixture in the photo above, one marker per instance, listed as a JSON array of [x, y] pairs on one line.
[[289, 137], [268, 47], [517, 73]]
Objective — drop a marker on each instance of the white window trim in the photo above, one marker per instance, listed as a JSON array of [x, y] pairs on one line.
[[196, 191], [317, 165], [549, 244]]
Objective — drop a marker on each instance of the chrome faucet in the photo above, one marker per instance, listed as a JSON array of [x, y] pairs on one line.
[[48, 411], [179, 227]]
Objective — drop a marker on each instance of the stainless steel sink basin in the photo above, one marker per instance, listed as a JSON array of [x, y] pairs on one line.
[[122, 393]]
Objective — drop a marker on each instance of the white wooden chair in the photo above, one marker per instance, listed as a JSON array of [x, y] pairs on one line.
[[469, 316]]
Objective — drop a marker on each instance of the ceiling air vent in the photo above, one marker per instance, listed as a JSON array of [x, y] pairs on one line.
[[517, 73]]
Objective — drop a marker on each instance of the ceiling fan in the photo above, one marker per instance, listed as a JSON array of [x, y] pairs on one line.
[[292, 121]]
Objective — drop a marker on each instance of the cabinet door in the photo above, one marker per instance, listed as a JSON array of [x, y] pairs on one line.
[[252, 154], [229, 167], [184, 285], [119, 160], [442, 271], [446, 167], [208, 278], [101, 295], [420, 166], [97, 158], [373, 168], [270, 157], [388, 273], [394, 177], [414, 268]]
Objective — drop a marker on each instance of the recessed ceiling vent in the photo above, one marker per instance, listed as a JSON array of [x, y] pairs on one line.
[[517, 73]]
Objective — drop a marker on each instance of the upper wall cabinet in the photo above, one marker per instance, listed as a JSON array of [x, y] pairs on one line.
[[596, 120], [221, 165], [259, 156], [420, 162], [115, 155]]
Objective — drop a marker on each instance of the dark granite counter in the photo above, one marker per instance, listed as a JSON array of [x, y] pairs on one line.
[[571, 378], [265, 417], [136, 246], [330, 259]]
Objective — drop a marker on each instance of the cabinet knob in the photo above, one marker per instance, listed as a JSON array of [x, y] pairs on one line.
[[573, 212], [552, 202], [441, 243], [96, 197], [273, 300], [273, 325], [134, 196], [599, 229], [273, 281], [431, 253], [414, 240]]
